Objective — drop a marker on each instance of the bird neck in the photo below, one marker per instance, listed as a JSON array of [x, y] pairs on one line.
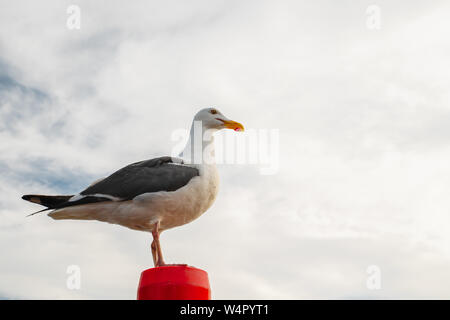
[[199, 148]]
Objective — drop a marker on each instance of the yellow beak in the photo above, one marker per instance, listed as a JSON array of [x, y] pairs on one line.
[[230, 124]]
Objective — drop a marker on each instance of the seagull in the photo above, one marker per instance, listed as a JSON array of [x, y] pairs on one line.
[[152, 195]]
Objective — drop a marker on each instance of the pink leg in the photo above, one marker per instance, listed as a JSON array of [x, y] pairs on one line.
[[154, 253], [157, 247]]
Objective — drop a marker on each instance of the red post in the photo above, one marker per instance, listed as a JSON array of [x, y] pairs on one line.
[[176, 282]]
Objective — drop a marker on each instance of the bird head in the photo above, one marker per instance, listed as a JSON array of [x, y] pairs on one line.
[[212, 118]]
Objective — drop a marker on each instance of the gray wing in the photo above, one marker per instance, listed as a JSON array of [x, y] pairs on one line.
[[159, 174]]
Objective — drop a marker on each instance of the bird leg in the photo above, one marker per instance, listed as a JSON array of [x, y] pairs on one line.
[[154, 253], [158, 259]]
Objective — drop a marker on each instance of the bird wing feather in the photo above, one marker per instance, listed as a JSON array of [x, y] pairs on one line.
[[159, 174]]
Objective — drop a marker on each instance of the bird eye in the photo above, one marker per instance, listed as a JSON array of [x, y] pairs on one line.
[[213, 111]]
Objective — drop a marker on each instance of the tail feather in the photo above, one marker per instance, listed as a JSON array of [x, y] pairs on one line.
[[32, 214], [50, 202]]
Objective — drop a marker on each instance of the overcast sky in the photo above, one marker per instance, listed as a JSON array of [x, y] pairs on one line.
[[362, 115]]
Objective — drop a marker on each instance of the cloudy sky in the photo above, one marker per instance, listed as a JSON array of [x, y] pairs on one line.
[[360, 105]]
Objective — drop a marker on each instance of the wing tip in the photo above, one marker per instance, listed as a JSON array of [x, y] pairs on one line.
[[32, 198]]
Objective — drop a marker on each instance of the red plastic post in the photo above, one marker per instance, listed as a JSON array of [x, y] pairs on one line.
[[177, 282]]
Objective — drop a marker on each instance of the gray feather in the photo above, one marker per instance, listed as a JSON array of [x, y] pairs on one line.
[[159, 174]]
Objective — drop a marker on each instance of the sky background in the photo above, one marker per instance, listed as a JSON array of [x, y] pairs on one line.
[[362, 115]]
